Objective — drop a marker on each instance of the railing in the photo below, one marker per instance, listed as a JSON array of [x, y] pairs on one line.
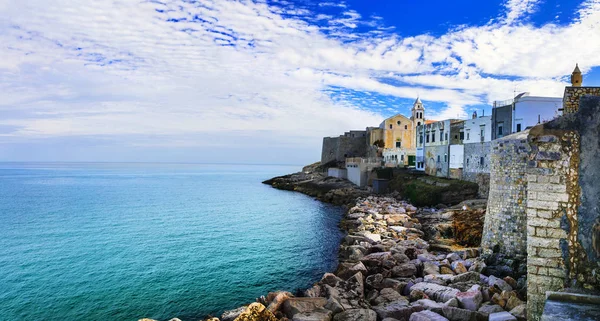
[[361, 160], [501, 103]]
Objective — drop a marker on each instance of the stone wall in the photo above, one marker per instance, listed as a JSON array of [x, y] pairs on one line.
[[473, 170], [563, 208], [339, 148], [434, 167], [505, 226], [573, 95]]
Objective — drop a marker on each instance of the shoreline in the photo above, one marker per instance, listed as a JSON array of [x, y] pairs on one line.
[[384, 269]]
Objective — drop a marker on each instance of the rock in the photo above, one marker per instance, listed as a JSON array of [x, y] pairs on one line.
[[356, 315], [470, 300], [404, 270], [446, 270], [498, 299], [277, 300], [501, 284], [488, 309], [376, 259], [330, 279], [397, 310], [374, 281], [333, 305], [426, 257], [436, 292], [513, 302], [316, 315], [510, 281], [211, 319], [293, 306], [429, 304], [502, 316], [313, 292], [231, 315], [146, 319], [452, 303], [355, 284], [456, 314], [459, 267], [416, 295], [393, 284], [371, 237], [453, 257], [469, 277], [387, 295], [346, 270], [520, 312], [430, 268], [477, 266], [426, 316], [256, 312]]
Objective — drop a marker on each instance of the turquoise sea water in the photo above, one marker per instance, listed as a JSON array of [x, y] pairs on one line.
[[125, 241]]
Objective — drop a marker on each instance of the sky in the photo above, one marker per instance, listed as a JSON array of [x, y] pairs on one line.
[[220, 81]]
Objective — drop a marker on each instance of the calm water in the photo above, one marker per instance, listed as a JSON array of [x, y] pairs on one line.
[[124, 241]]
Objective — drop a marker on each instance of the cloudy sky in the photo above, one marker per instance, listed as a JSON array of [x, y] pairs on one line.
[[262, 81]]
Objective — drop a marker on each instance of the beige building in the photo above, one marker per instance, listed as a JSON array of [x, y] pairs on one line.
[[399, 136]]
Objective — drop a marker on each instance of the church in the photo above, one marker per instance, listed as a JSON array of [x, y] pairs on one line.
[[399, 138]]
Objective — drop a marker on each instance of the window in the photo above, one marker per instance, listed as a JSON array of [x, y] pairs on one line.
[[390, 126], [500, 129], [402, 157], [398, 144], [405, 126], [518, 128], [427, 135], [481, 160], [398, 122], [482, 133], [468, 134], [445, 158], [420, 139], [462, 135], [438, 158], [446, 136], [467, 161], [433, 137], [441, 135], [419, 124]]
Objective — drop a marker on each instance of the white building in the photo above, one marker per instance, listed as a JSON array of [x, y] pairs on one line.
[[532, 110], [478, 129], [358, 169]]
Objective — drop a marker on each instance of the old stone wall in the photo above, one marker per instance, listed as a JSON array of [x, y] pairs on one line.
[[437, 160], [573, 95], [505, 226], [563, 212], [339, 148], [477, 166]]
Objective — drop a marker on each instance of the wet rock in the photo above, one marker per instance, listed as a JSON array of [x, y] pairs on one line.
[[426, 316], [356, 315], [293, 306], [502, 316], [232, 314], [436, 292], [256, 312]]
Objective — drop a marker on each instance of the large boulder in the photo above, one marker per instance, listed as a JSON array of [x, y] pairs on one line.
[[426, 316], [276, 299], [470, 300], [430, 268], [488, 309], [231, 315], [456, 314], [346, 270], [397, 310], [436, 292], [293, 306], [316, 315], [387, 295], [256, 312], [404, 270], [356, 315], [502, 316]]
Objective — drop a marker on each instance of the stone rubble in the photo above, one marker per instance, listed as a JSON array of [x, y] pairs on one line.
[[388, 272]]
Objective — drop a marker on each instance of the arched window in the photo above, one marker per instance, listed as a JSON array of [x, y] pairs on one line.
[[405, 126], [390, 126]]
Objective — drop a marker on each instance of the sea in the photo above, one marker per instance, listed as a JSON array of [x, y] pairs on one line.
[[108, 241]]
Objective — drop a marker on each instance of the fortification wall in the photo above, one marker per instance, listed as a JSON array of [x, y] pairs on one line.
[[340, 148], [506, 219], [476, 172], [573, 95]]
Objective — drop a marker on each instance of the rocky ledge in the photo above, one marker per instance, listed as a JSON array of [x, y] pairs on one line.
[[388, 272]]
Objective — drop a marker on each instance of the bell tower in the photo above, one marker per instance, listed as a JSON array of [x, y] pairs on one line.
[[576, 77], [418, 113]]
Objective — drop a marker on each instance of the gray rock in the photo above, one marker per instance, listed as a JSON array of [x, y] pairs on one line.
[[330, 279], [488, 309], [316, 315], [470, 300], [436, 292], [426, 316], [356, 315], [494, 281], [429, 304], [346, 270], [232, 314], [472, 277], [520, 312], [502, 316], [456, 314], [430, 268], [374, 281], [293, 306], [404, 270], [397, 310], [393, 284], [387, 295], [453, 257], [334, 305]]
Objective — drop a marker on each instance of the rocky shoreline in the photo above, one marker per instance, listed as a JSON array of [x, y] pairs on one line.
[[387, 271]]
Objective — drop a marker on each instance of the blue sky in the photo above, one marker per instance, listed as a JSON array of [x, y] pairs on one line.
[[263, 81]]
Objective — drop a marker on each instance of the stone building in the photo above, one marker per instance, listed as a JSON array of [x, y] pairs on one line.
[[351, 144], [399, 136], [544, 188], [477, 151]]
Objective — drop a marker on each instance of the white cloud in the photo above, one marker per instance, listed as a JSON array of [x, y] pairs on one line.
[[184, 69]]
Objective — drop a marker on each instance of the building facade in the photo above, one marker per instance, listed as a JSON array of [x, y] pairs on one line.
[[477, 152], [436, 147], [399, 136]]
